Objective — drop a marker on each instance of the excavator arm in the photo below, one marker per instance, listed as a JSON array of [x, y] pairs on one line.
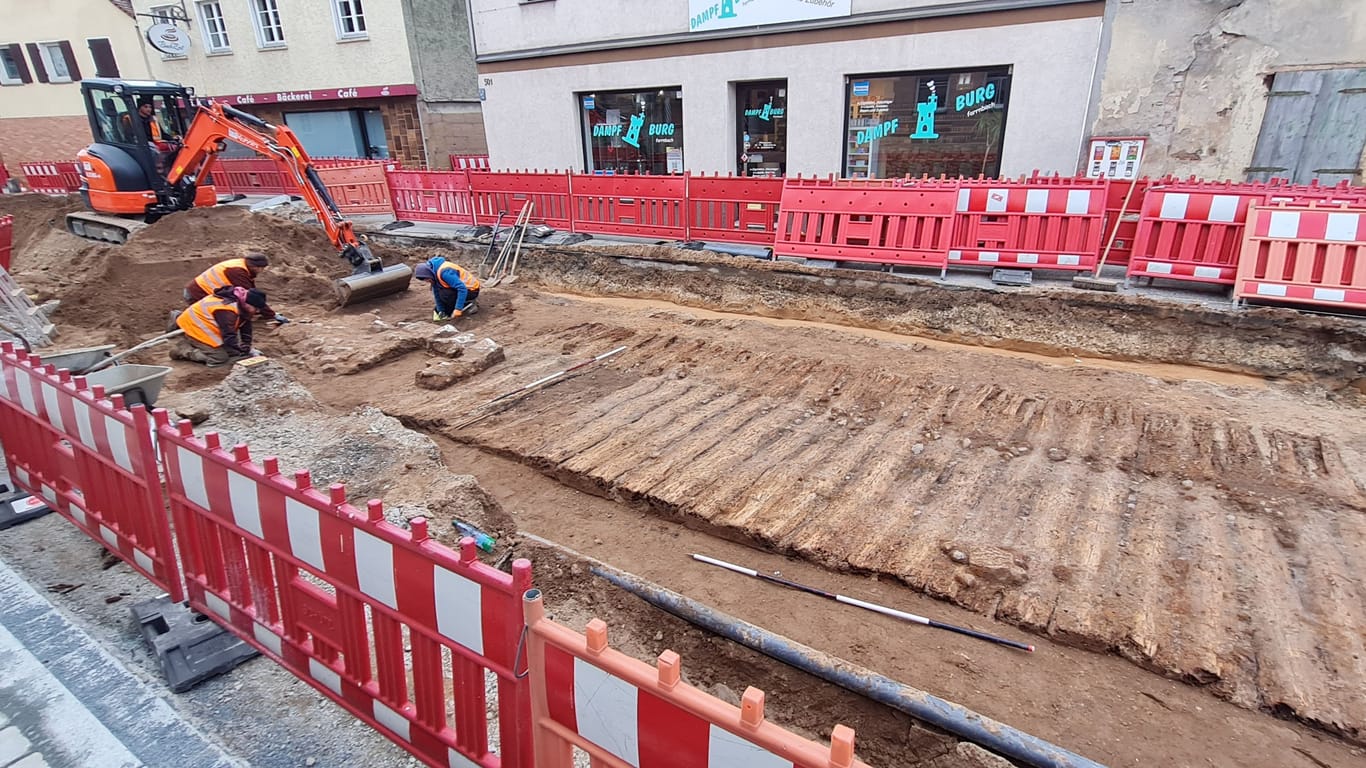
[[214, 124]]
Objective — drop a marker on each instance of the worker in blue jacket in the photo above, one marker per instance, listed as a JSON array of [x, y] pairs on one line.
[[454, 288]]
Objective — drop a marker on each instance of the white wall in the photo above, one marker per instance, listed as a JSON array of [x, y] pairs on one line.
[[312, 58], [509, 25], [533, 120]]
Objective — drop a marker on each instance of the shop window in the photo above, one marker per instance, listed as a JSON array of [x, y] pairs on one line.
[[341, 133], [270, 32], [214, 28], [633, 132], [350, 19], [926, 123], [762, 112]]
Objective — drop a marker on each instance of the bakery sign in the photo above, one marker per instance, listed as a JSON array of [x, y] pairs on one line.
[[348, 93], [169, 39]]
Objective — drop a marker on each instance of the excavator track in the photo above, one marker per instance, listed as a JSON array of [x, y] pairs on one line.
[[109, 229]]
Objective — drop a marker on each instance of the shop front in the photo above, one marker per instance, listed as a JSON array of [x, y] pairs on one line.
[[375, 122], [633, 132], [926, 123], [761, 108]]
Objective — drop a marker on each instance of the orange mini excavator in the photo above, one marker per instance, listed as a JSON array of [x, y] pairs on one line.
[[146, 164]]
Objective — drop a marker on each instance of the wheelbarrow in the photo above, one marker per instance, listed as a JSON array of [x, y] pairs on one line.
[[137, 383], [78, 361]]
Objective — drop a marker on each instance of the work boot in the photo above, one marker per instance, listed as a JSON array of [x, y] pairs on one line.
[[171, 323]]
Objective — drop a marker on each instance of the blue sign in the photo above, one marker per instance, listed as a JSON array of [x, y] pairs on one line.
[[588, 102], [861, 88], [924, 120]]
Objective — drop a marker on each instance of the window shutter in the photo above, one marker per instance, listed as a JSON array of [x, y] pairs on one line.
[[37, 59], [16, 54], [71, 65], [103, 54]]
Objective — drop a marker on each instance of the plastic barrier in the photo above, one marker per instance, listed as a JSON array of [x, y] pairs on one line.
[[252, 176], [358, 188], [733, 209], [510, 192], [912, 226], [624, 713], [51, 178], [1193, 231], [469, 162], [6, 241], [92, 460], [391, 625], [1034, 226], [1305, 255], [438, 196], [320, 163], [637, 206]]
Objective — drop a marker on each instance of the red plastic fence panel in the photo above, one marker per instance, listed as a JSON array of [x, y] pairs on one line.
[[391, 625], [52, 178], [510, 192], [4, 176], [92, 460], [6, 241], [252, 176], [1193, 232], [320, 163], [733, 209], [469, 162], [1305, 255], [358, 188], [895, 225], [637, 206], [1034, 226], [439, 196]]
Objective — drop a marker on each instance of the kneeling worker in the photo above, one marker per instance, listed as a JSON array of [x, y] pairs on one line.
[[240, 272], [454, 288], [218, 327]]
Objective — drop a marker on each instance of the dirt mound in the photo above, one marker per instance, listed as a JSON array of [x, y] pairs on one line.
[[36, 215]]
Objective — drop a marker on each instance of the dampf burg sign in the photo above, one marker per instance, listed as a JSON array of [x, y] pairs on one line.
[[326, 94]]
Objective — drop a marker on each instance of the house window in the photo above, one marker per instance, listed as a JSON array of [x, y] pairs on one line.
[[12, 71], [270, 33], [56, 62], [350, 18], [215, 31]]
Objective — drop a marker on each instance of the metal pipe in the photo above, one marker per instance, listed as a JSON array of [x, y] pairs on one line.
[[957, 720]]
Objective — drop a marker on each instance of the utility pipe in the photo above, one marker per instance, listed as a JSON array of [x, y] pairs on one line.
[[958, 720]]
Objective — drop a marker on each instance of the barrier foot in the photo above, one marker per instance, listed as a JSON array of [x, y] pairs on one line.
[[19, 507], [190, 647]]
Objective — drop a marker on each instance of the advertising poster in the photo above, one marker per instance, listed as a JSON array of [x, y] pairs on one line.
[[1115, 158]]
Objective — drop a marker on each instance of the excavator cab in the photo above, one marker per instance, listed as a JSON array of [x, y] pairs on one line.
[[153, 153]]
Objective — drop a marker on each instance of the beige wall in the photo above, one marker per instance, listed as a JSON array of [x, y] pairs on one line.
[[34, 21], [312, 57], [1193, 76]]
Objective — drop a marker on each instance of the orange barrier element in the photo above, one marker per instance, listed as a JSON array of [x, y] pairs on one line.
[[251, 176], [6, 241], [733, 209], [441, 196], [1033, 226], [510, 192], [91, 458], [909, 226], [358, 188], [52, 178], [469, 162], [391, 625], [1304, 255], [637, 206], [624, 713]]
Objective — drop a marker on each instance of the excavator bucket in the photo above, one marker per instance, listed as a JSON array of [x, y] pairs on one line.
[[371, 284]]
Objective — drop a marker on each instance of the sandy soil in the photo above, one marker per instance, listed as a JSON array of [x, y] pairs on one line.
[[1123, 479]]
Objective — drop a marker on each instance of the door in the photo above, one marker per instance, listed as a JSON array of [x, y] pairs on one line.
[[1314, 128]]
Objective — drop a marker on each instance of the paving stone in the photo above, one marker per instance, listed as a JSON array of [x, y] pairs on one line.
[[13, 745]]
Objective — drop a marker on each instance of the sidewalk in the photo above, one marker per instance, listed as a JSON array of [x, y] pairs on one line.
[[66, 703]]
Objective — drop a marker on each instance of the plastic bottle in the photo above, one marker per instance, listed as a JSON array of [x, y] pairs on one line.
[[481, 540]]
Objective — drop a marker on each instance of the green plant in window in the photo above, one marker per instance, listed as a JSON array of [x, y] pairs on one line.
[[989, 126]]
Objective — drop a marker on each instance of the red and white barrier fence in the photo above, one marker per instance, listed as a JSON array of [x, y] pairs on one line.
[[1305, 255]]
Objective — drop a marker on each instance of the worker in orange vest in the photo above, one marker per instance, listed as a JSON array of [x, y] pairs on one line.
[[218, 327], [454, 288], [241, 272]]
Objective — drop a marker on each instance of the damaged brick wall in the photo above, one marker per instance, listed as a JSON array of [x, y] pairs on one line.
[[1193, 75]]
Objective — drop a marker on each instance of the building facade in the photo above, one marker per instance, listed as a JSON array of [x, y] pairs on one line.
[[857, 88], [45, 49]]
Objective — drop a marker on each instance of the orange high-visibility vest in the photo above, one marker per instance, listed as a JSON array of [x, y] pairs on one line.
[[155, 127], [471, 282], [216, 277], [198, 323]]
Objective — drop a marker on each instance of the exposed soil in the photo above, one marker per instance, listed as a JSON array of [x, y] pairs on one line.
[[1178, 486]]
